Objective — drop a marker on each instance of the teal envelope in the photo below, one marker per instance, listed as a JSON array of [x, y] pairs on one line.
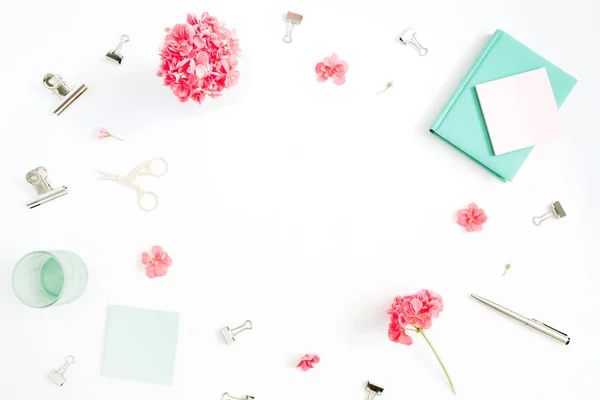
[[461, 122]]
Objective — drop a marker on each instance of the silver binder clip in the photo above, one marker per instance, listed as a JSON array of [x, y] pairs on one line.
[[60, 88], [58, 376], [410, 37], [38, 178], [556, 211], [229, 334], [227, 396], [292, 20], [115, 54], [373, 390]]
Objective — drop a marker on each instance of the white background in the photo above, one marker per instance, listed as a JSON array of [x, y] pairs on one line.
[[303, 206]]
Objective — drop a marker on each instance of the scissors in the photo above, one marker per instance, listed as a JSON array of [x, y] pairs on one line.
[[146, 168]]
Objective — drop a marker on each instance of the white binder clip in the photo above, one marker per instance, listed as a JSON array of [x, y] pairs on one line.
[[227, 396], [410, 37], [373, 390], [60, 88], [556, 211], [229, 334], [58, 376]]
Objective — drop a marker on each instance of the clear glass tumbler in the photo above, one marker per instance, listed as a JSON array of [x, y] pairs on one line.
[[49, 278]]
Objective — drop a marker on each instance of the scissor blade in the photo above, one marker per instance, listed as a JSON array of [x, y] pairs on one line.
[[107, 176]]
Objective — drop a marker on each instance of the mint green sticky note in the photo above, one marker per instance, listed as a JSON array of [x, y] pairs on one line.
[[140, 344]]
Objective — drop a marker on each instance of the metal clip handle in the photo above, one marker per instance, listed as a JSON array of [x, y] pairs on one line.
[[246, 325], [538, 220]]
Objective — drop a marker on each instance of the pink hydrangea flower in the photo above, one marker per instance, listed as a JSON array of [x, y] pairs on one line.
[[413, 313], [158, 263], [198, 58], [471, 218], [417, 309], [308, 361], [332, 67]]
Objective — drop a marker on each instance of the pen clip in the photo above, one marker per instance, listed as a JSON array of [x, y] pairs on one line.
[[549, 327]]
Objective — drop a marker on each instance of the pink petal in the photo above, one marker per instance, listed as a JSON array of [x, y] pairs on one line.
[[345, 65], [146, 259], [316, 358], [405, 339], [334, 59], [160, 270], [167, 261], [462, 213], [477, 228], [339, 80], [150, 272], [157, 252], [473, 206], [416, 304], [462, 221]]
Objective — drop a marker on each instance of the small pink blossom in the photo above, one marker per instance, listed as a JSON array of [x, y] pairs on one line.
[[103, 134], [307, 362], [332, 67], [182, 90], [157, 263], [471, 218]]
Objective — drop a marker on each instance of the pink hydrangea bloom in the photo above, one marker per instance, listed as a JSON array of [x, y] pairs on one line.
[[198, 58], [308, 361], [414, 313], [471, 218], [416, 310], [158, 263], [332, 67]]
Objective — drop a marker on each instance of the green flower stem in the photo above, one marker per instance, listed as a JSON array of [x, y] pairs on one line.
[[438, 358], [116, 137]]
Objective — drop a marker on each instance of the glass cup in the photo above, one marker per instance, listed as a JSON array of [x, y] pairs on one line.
[[49, 278]]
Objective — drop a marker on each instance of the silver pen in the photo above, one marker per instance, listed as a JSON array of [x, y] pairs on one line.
[[530, 322]]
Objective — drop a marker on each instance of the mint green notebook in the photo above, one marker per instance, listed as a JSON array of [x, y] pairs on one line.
[[140, 344], [461, 122]]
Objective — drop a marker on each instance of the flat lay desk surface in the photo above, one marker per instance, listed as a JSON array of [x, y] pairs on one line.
[[302, 206]]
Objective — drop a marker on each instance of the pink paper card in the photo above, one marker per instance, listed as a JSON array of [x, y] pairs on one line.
[[519, 111]]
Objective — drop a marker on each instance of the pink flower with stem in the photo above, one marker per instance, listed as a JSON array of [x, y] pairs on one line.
[[308, 361], [471, 218], [413, 313], [157, 263], [332, 67], [103, 134]]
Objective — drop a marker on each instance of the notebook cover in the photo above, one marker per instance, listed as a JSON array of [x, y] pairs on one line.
[[519, 111], [461, 122], [140, 344]]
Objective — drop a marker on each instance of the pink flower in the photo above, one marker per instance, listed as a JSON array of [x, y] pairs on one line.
[[414, 313], [182, 89], [180, 38], [307, 362], [199, 58], [158, 263], [103, 134], [397, 334], [332, 67], [417, 309], [471, 218]]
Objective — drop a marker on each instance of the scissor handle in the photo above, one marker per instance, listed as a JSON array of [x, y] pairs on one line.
[[148, 167], [142, 194]]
